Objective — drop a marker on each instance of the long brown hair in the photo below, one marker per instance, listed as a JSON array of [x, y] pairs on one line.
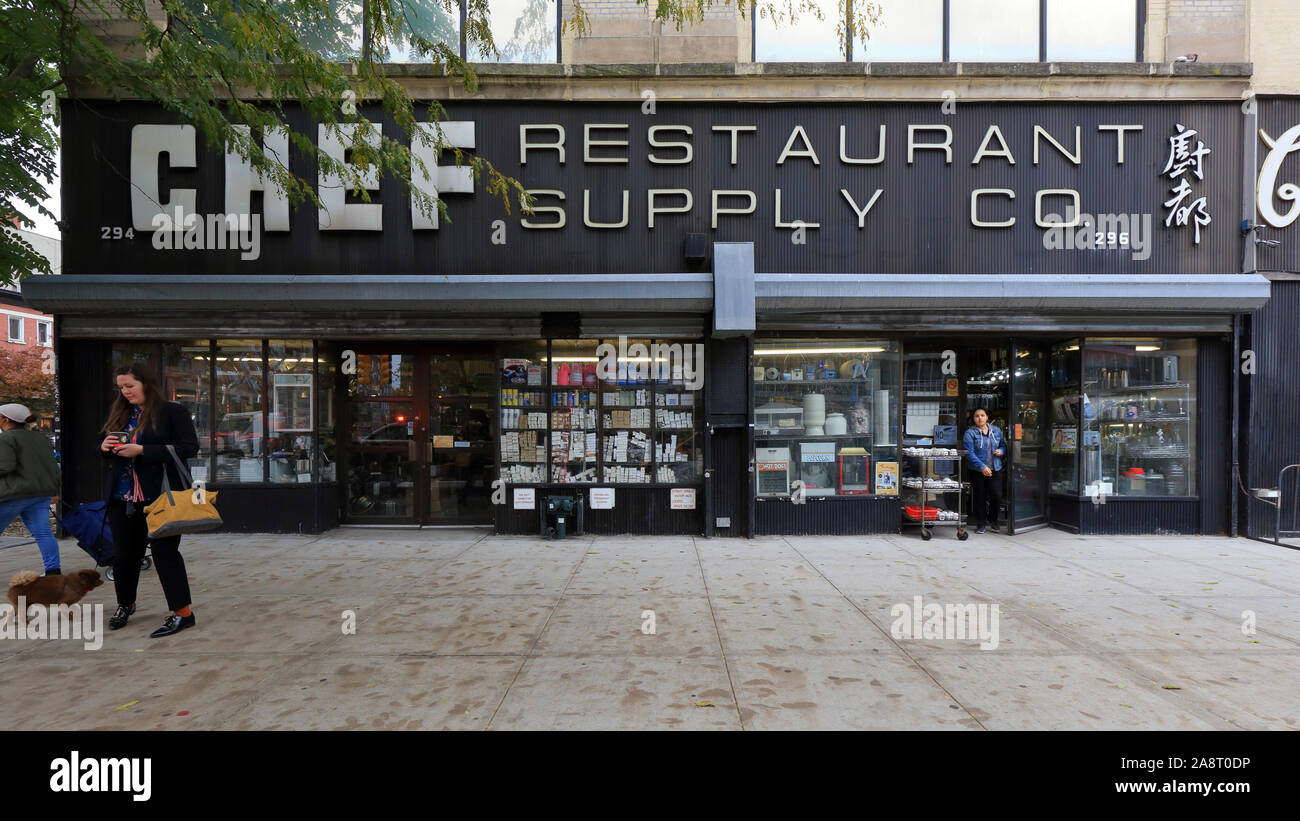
[[150, 411]]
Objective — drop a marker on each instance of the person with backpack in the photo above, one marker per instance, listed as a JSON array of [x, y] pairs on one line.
[[29, 479]]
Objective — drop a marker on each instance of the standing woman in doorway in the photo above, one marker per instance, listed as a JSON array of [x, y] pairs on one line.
[[985, 449], [140, 426]]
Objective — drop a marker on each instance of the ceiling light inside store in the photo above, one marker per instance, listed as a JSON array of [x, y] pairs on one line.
[[788, 351], [1147, 347]]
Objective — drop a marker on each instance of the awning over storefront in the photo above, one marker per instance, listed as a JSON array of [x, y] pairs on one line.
[[1028, 302], [1216, 293], [397, 307], [509, 305], [531, 293]]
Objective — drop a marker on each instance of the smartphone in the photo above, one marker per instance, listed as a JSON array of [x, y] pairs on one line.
[[121, 435]]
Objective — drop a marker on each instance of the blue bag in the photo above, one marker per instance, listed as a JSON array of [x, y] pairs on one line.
[[89, 524]]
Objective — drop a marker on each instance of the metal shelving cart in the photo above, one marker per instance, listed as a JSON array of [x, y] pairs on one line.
[[928, 459]]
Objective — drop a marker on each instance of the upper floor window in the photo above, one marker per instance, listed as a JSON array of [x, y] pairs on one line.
[[960, 31], [906, 31], [43, 333], [16, 329], [993, 31], [1099, 30]]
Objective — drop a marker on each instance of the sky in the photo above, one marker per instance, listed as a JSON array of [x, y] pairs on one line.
[[45, 225]]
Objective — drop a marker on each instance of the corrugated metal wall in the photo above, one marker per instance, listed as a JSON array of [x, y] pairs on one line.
[[637, 511], [1272, 429], [828, 516], [1118, 516], [1214, 434]]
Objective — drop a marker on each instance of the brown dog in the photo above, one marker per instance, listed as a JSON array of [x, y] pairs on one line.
[[61, 589]]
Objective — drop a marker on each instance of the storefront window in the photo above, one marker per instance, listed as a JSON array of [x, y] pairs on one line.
[[523, 422], [612, 411], [240, 421], [574, 400], [826, 416], [186, 379], [327, 365], [1139, 416], [376, 375], [1066, 403], [292, 412], [677, 371], [124, 353]]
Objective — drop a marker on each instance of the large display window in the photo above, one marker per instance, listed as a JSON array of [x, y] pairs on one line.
[[255, 405], [1138, 407], [825, 416], [601, 411]]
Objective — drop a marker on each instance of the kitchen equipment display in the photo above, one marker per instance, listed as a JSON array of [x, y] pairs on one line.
[[566, 422], [773, 467], [832, 397], [1142, 424], [933, 491], [855, 471], [817, 468]]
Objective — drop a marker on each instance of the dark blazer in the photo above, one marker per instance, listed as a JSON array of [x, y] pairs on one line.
[[174, 428]]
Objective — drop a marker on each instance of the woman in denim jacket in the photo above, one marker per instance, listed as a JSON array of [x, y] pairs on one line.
[[985, 448]]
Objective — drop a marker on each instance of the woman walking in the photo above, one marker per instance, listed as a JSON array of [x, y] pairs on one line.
[[985, 448], [145, 425], [29, 478]]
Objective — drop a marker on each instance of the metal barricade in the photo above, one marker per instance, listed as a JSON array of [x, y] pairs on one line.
[[1287, 502]]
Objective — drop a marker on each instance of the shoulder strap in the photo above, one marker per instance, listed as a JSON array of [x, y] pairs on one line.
[[185, 473]]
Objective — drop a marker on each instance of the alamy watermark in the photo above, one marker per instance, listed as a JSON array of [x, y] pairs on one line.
[[179, 230], [665, 361], [933, 621], [81, 622], [1099, 232]]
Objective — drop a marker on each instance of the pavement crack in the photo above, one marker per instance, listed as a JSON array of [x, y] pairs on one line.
[[888, 635], [532, 646], [726, 666]]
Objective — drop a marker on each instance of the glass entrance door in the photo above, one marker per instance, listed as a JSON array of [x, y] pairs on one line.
[[459, 448], [419, 448], [379, 452], [1028, 437]]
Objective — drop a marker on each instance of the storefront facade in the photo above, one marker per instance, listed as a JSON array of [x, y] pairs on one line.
[[722, 318]]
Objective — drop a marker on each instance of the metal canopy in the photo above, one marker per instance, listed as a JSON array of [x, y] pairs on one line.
[[1004, 294], [509, 305], [519, 293]]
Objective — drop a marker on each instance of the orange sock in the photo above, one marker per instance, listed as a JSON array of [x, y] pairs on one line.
[[184, 611]]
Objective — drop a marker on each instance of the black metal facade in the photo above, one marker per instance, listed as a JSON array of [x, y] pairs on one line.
[[828, 516], [1271, 419], [920, 224]]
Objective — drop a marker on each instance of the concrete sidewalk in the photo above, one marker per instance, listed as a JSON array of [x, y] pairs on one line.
[[460, 629]]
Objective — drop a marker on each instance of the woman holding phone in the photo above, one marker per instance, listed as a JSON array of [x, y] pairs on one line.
[[140, 426]]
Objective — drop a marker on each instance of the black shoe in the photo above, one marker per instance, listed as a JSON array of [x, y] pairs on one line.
[[995, 528], [118, 620], [979, 529], [173, 624], [52, 571]]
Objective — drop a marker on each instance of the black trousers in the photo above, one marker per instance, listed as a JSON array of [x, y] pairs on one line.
[[131, 535], [987, 493]]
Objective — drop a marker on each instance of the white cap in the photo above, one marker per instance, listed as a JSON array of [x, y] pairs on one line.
[[16, 412]]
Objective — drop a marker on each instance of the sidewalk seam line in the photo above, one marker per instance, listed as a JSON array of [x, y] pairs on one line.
[[532, 647], [726, 666], [887, 635]]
